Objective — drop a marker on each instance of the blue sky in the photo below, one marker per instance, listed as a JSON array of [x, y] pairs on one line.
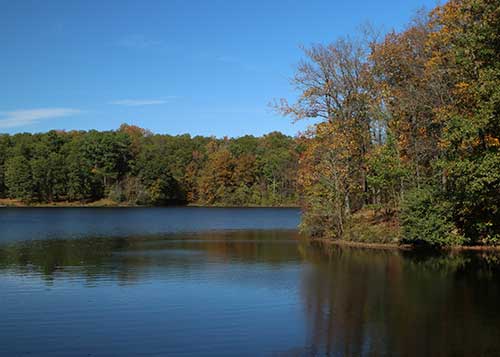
[[207, 67]]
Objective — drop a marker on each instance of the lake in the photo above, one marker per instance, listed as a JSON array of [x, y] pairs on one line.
[[217, 281]]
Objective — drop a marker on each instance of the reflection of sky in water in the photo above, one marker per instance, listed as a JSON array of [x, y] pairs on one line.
[[68, 223]]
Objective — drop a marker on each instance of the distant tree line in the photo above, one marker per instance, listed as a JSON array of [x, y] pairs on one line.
[[409, 125], [132, 165]]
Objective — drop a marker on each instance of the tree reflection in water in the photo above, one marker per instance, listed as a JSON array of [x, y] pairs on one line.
[[386, 302]]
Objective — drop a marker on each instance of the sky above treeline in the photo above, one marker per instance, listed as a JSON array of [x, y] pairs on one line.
[[204, 67]]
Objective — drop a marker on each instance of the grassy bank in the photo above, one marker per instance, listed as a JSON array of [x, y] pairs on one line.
[[369, 226]]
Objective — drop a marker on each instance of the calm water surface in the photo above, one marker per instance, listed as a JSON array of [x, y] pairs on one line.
[[196, 281]]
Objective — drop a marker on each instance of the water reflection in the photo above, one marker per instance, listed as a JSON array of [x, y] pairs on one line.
[[95, 257], [227, 290], [365, 302]]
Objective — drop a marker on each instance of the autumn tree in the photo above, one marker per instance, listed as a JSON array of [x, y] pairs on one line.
[[410, 92], [215, 182], [335, 84]]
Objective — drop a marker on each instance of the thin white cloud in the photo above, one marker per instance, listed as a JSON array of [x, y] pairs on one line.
[[25, 117], [139, 102]]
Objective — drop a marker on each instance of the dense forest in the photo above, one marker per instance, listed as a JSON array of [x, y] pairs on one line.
[[407, 126], [133, 166]]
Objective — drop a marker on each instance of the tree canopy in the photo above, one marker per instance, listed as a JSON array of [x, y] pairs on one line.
[[408, 125], [133, 165]]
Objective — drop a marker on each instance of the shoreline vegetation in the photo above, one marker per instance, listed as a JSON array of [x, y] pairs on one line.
[[11, 203]]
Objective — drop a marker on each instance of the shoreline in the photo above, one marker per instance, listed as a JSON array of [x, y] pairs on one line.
[[9, 203], [402, 247]]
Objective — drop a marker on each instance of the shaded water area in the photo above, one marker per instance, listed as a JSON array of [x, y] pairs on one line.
[[195, 281]]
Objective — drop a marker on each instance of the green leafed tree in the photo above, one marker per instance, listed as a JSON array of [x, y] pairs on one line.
[[18, 178]]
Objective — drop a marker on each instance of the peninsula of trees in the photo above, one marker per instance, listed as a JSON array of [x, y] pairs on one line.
[[409, 127], [136, 167]]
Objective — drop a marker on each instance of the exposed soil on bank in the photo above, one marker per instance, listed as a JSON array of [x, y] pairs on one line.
[[396, 246]]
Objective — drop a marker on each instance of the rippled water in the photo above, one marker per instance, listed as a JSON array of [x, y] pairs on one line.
[[189, 281]]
